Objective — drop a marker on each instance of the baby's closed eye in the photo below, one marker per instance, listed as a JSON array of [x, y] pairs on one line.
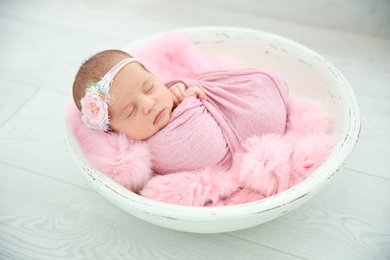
[[150, 88], [130, 112]]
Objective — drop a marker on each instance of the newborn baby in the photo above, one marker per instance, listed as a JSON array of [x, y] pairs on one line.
[[188, 124]]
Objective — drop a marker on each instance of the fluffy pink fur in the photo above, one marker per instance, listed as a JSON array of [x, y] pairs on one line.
[[125, 161], [265, 166], [308, 153], [208, 185], [176, 56], [306, 116], [273, 163]]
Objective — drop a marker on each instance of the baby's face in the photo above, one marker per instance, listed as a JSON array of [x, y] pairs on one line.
[[142, 104]]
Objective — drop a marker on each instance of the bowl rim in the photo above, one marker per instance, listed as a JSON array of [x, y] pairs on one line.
[[335, 161]]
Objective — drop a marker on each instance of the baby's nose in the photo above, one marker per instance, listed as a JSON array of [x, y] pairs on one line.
[[149, 104]]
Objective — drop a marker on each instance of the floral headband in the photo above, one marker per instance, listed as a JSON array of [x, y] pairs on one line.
[[94, 105]]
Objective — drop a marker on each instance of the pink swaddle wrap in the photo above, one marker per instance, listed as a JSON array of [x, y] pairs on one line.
[[201, 133]]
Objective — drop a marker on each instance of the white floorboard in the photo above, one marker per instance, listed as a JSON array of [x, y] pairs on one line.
[[335, 224], [55, 220], [47, 209]]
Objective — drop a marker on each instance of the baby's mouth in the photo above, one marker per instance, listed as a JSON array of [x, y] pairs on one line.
[[158, 116]]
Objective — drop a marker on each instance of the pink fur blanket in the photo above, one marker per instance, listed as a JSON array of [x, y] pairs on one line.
[[263, 165]]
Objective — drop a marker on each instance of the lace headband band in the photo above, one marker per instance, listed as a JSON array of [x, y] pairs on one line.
[[94, 105]]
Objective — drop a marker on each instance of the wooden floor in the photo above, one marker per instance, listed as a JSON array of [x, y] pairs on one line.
[[48, 210]]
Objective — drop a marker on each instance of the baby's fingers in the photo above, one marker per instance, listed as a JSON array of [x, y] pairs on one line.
[[176, 101], [201, 94], [176, 92], [181, 87], [195, 91]]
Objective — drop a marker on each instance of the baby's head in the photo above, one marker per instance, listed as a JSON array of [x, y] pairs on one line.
[[115, 92]]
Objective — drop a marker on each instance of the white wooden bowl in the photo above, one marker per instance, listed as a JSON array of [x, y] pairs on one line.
[[307, 74]]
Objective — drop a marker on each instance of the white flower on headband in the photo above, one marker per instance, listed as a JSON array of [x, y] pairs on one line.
[[94, 107]]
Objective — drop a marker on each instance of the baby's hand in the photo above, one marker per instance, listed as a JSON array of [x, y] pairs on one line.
[[179, 92], [195, 91]]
